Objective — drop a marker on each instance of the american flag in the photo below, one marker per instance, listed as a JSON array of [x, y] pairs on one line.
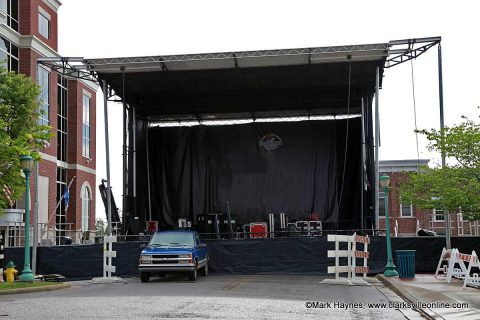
[[8, 195]]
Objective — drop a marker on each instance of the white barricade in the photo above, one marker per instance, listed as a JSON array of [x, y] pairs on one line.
[[453, 258], [460, 259], [351, 269], [445, 256], [472, 280], [108, 254], [2, 257]]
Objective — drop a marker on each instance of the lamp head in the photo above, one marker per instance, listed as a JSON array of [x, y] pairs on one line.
[[384, 181], [26, 162]]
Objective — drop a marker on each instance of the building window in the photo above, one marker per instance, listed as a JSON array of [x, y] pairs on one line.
[[438, 215], [61, 215], [62, 119], [10, 7], [43, 79], [43, 25], [406, 210], [8, 55], [86, 199], [86, 127], [381, 204]]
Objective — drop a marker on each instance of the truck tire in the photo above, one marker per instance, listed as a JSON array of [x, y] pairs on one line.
[[193, 274], [204, 270], [144, 276]]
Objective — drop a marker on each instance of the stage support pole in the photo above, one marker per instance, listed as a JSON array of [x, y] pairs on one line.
[[148, 172], [377, 143], [134, 162], [124, 155], [107, 156], [362, 169], [442, 126]]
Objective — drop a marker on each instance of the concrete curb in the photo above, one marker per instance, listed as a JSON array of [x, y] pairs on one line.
[[35, 289], [399, 290]]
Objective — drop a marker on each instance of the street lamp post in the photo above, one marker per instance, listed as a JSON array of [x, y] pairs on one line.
[[26, 163], [390, 267]]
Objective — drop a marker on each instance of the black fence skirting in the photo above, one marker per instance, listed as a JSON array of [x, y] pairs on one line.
[[255, 256]]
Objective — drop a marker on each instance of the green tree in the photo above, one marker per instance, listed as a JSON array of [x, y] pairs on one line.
[[20, 131], [455, 187], [100, 228]]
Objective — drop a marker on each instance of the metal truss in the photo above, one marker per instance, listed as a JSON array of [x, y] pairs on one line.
[[404, 50], [248, 117], [383, 47], [73, 67], [228, 122]]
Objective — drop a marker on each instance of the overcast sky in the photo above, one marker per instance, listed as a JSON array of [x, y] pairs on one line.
[[114, 28]]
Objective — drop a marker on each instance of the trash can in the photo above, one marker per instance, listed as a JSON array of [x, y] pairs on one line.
[[406, 263]]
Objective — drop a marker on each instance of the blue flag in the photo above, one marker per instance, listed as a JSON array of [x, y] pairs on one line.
[[66, 196]]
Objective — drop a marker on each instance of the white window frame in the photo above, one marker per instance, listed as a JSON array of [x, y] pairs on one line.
[[381, 197], [44, 21], [411, 211], [434, 219], [10, 57], [86, 124], [86, 197], [44, 103], [12, 21]]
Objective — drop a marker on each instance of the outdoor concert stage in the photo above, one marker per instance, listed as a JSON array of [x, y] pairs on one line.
[[253, 256], [268, 132], [276, 131]]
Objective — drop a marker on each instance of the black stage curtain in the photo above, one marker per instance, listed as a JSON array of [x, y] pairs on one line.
[[195, 170]]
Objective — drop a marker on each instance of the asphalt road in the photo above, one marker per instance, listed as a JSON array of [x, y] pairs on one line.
[[213, 297]]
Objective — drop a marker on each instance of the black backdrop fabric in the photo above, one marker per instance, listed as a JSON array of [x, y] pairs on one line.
[[195, 170], [253, 256]]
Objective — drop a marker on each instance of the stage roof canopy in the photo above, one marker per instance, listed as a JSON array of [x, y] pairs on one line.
[[286, 82], [237, 84]]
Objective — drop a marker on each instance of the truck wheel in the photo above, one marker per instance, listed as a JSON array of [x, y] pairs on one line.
[[144, 276], [193, 275], [204, 271]]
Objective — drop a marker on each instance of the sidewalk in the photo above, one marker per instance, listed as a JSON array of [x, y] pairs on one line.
[[436, 297]]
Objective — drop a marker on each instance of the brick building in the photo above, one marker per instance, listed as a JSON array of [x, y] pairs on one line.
[[29, 30], [405, 220]]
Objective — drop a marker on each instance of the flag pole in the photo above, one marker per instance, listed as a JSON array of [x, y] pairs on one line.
[[60, 201]]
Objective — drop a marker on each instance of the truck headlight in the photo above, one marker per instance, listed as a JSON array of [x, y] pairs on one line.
[[185, 258], [145, 259]]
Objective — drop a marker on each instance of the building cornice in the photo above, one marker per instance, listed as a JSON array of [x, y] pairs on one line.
[[401, 165], [75, 166], [30, 41], [9, 34], [54, 4], [48, 157], [65, 165]]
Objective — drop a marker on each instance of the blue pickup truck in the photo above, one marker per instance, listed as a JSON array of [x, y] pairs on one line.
[[172, 252]]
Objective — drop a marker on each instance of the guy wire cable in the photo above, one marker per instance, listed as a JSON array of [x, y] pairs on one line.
[[349, 57], [415, 113]]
